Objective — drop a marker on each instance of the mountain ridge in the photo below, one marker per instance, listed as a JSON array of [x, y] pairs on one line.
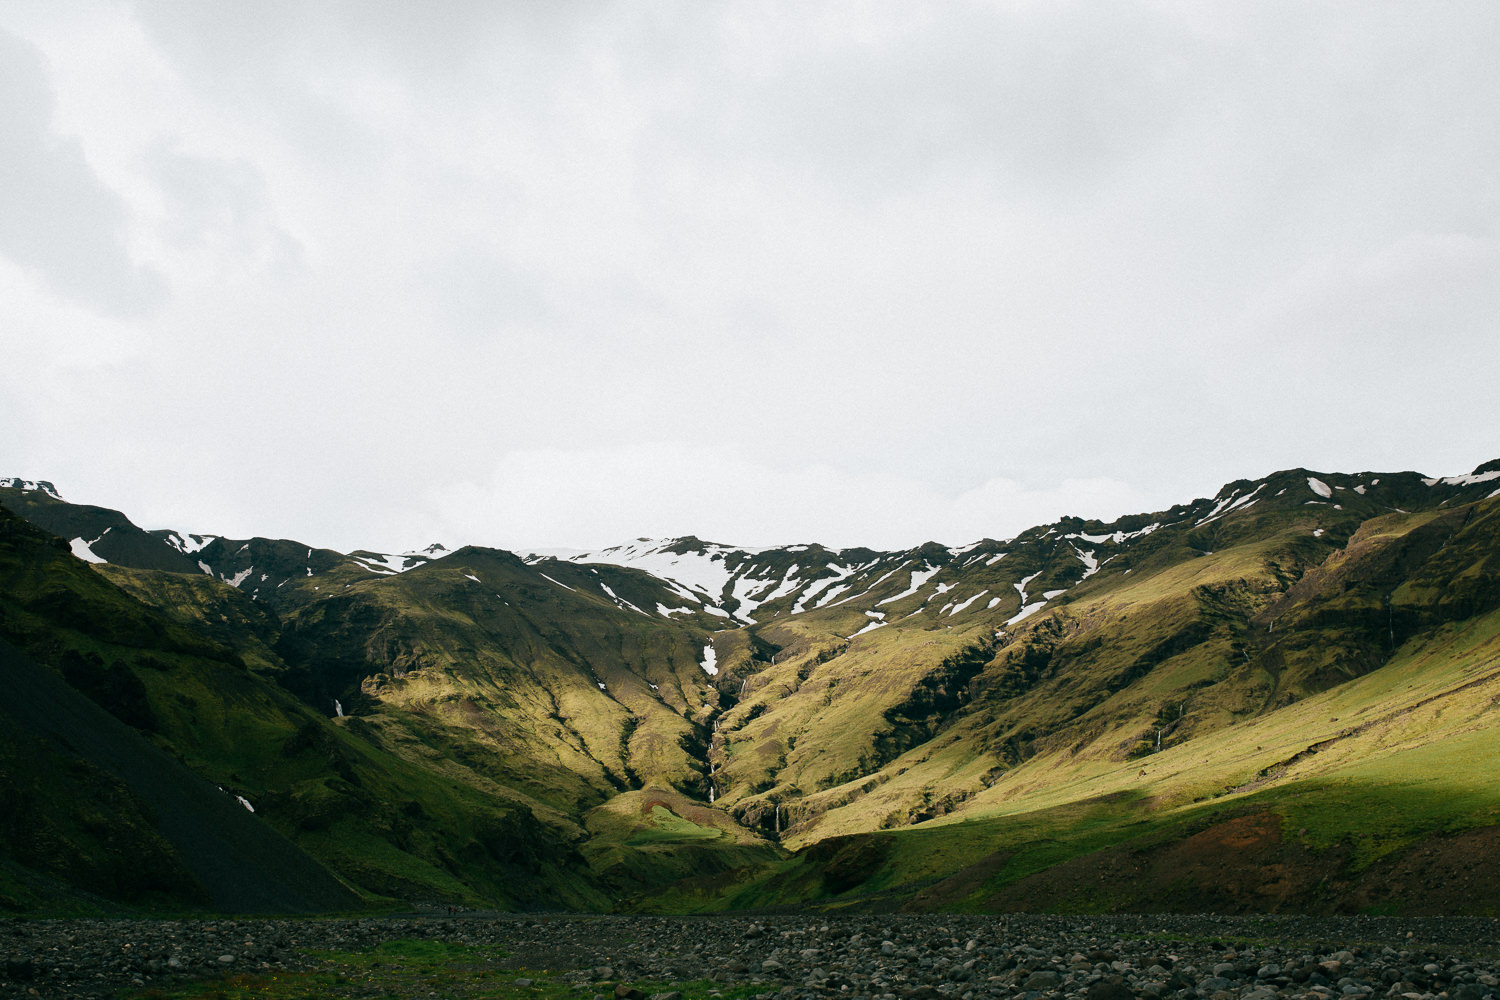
[[689, 725]]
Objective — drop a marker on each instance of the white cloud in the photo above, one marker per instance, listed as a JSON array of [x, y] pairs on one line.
[[596, 497], [915, 253], [56, 216]]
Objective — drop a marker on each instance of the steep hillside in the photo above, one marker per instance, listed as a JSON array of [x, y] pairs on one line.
[[1189, 680], [87, 803], [1028, 722], [386, 824]]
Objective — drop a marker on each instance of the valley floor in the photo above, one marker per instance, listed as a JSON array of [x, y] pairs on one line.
[[783, 956]]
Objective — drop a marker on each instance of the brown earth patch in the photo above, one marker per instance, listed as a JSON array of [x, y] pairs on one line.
[[1245, 865], [1237, 865], [1459, 873], [959, 886]]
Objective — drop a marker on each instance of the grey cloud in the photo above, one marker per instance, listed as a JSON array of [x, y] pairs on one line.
[[258, 50], [476, 288], [930, 243], [56, 215], [221, 203], [1048, 97]]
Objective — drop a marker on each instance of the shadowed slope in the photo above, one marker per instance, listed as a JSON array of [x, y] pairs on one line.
[[91, 802]]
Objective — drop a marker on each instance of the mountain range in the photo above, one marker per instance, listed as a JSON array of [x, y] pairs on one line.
[[1280, 697]]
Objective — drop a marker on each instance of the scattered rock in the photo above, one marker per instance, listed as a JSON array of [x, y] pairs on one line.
[[897, 956], [1106, 990]]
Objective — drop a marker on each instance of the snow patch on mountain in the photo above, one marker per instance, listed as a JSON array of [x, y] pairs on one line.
[[956, 608], [31, 486], [81, 550], [704, 570], [437, 550], [919, 578], [189, 544], [1115, 537], [883, 577], [1230, 504], [818, 586], [831, 594], [1026, 612], [1469, 479], [789, 584], [1319, 487], [710, 660], [614, 597], [382, 563]]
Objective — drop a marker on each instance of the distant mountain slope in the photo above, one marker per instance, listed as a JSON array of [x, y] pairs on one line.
[[658, 722], [1169, 619], [388, 823]]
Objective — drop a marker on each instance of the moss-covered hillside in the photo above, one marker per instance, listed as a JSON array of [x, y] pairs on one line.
[[1300, 667]]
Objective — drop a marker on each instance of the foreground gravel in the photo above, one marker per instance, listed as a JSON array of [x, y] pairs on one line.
[[895, 957]]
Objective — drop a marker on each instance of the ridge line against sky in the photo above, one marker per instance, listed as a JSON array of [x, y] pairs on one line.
[[369, 275]]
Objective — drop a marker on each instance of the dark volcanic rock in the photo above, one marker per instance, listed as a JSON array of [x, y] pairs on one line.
[[804, 956]]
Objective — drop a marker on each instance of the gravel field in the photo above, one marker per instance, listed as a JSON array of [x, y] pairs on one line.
[[897, 957]]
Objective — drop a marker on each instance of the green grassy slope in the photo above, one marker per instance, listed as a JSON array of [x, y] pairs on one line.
[[1342, 682], [483, 723], [87, 803], [1291, 681], [389, 825]]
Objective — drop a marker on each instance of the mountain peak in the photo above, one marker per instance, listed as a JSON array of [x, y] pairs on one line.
[[436, 550], [30, 486]]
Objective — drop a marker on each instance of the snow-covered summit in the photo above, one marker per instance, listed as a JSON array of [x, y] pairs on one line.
[[437, 550], [734, 582], [30, 486], [187, 543], [700, 570]]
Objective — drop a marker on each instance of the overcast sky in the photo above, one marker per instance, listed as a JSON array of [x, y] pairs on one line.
[[563, 274]]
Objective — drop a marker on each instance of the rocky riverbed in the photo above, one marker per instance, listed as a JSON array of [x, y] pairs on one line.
[[895, 957]]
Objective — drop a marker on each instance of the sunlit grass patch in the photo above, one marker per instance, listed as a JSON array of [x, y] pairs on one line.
[[668, 827]]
